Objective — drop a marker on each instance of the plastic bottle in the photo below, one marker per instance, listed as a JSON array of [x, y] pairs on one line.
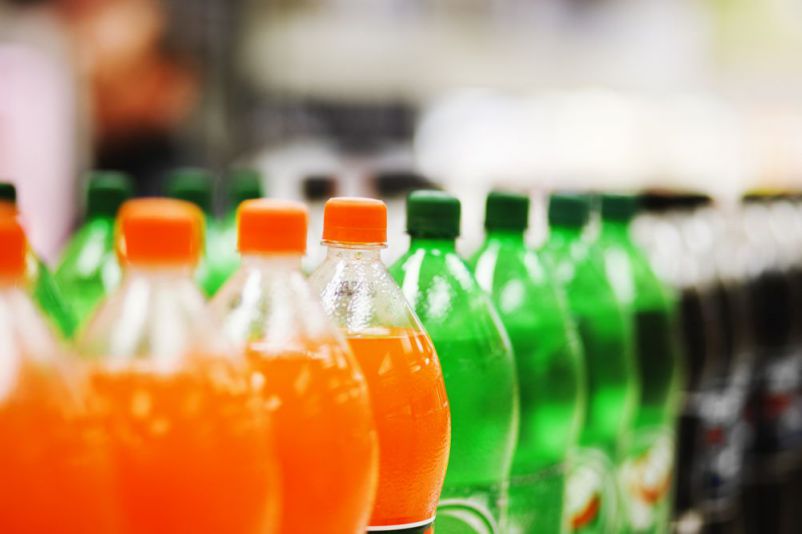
[[400, 364], [55, 472], [190, 441], [612, 391], [43, 287], [549, 360], [196, 186], [244, 184], [477, 361], [647, 471], [89, 269], [325, 434]]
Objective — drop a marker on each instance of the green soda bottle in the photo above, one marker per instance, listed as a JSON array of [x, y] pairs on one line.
[[549, 361], [646, 472], [43, 287], [477, 361], [243, 184], [88, 270], [196, 185], [592, 499]]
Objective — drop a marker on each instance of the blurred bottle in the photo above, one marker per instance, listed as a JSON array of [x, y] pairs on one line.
[[548, 357], [196, 186], [89, 269], [191, 444], [243, 184], [325, 434], [43, 286], [612, 389], [317, 189], [646, 473], [402, 369], [776, 400], [55, 471], [477, 361]]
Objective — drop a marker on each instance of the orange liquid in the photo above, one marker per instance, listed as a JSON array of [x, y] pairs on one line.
[[190, 451], [52, 461], [325, 438], [413, 423]]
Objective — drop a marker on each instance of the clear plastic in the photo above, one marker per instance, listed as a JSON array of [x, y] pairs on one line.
[[191, 445], [405, 381], [55, 470], [325, 434]]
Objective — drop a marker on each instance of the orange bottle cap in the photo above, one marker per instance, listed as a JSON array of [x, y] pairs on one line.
[[355, 220], [160, 231], [271, 226], [13, 245]]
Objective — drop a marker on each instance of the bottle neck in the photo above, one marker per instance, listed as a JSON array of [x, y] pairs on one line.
[[615, 229], [272, 262], [562, 233], [351, 252], [507, 237], [439, 243], [155, 270]]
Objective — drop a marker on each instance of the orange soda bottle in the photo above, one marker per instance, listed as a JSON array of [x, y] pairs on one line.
[[189, 441], [52, 461], [398, 359], [323, 425]]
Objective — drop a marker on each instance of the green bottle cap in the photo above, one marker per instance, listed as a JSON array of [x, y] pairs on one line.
[[193, 185], [569, 209], [618, 207], [244, 184], [106, 192], [506, 211], [8, 192], [432, 214]]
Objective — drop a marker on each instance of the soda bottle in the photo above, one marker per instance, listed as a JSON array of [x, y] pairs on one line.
[[190, 443], [43, 287], [195, 185], [477, 361], [244, 184], [89, 269], [549, 361], [606, 334], [646, 473], [396, 355], [55, 472], [324, 429]]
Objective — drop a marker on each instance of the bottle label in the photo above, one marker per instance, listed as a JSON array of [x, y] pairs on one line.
[[418, 527], [591, 500], [536, 502], [472, 509], [777, 408], [645, 478]]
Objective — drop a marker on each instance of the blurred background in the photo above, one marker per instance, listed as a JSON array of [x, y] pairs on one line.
[[366, 97]]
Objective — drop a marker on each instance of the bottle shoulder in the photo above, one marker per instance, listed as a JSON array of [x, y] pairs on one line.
[[156, 322]]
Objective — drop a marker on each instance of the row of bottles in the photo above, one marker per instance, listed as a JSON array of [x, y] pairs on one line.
[[321, 406]]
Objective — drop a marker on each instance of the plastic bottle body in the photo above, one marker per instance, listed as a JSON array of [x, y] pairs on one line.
[[405, 381], [479, 373], [89, 269], [189, 440], [322, 422], [646, 472], [550, 368], [612, 391], [52, 446]]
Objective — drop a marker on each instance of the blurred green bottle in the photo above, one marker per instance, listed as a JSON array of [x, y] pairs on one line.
[[592, 500], [646, 472], [242, 184], [477, 361], [43, 286], [89, 270], [197, 186], [548, 358]]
